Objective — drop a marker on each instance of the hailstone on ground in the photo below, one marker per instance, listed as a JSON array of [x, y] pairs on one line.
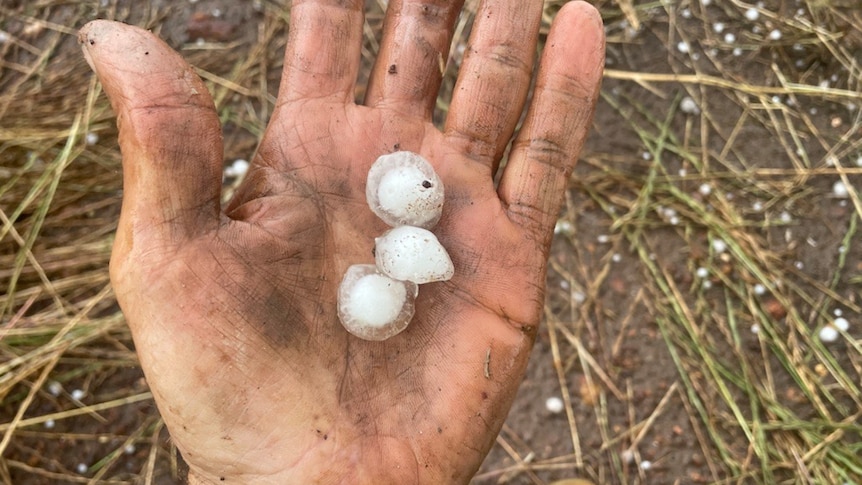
[[372, 305], [412, 254], [403, 189]]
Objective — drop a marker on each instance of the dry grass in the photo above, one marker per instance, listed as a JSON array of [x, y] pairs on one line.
[[770, 138]]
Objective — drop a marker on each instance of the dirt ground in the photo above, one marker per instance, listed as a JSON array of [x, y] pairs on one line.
[[632, 402]]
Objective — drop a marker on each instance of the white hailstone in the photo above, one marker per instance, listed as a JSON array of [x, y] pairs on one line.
[[757, 206], [646, 156], [706, 284], [737, 51], [646, 465], [701, 272], [785, 217], [129, 449], [414, 254], [579, 296], [564, 227], [719, 246], [828, 334], [78, 394], [50, 423], [841, 324], [839, 190], [627, 456], [859, 161], [752, 14], [759, 289], [683, 47], [216, 12], [373, 306], [685, 13], [91, 138], [55, 388], [718, 27], [82, 468], [616, 257], [238, 168], [673, 220], [554, 404], [682, 172], [403, 189], [729, 38], [705, 189], [837, 312], [799, 264], [4, 37], [755, 328], [689, 106], [706, 3], [603, 238], [775, 34]]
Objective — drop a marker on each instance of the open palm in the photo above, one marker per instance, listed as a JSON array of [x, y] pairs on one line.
[[233, 310]]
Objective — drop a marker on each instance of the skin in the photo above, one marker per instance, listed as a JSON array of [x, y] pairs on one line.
[[233, 309]]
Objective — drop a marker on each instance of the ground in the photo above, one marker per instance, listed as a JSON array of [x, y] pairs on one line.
[[708, 238]]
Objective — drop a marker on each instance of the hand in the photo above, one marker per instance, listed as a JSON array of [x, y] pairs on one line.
[[233, 310]]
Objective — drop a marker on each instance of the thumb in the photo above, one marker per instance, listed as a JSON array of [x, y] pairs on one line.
[[170, 136]]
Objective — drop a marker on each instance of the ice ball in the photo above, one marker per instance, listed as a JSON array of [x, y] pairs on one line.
[[414, 254], [373, 306], [403, 189]]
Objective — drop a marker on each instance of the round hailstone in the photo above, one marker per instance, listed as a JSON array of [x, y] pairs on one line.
[[841, 323], [403, 189], [840, 190], [689, 106], [828, 334], [752, 14], [373, 306], [414, 254], [554, 404]]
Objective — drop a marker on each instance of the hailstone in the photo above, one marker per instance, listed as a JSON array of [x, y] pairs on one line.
[[403, 189], [373, 306], [412, 254]]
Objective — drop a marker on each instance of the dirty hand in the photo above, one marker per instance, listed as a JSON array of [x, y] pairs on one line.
[[233, 310]]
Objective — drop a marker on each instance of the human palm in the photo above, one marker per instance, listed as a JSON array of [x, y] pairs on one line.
[[233, 310]]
